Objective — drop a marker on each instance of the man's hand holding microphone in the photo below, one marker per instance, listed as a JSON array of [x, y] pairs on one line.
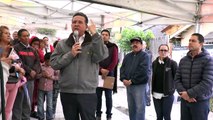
[[76, 48]]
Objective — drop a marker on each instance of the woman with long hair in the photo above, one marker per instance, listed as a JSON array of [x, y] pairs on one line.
[[5, 64], [16, 77], [4, 49]]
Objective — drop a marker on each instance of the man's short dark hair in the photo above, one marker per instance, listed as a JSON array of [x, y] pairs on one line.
[[105, 30], [83, 15], [199, 36], [20, 32], [47, 56]]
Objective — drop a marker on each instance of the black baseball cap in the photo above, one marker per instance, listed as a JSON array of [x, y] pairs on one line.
[[136, 39]]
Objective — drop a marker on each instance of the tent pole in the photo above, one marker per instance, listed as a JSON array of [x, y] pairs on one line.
[[197, 26], [198, 16], [102, 21]]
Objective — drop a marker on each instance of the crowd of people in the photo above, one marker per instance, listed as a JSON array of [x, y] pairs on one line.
[[28, 76], [193, 80], [33, 71]]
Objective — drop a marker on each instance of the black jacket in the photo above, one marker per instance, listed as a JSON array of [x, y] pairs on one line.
[[135, 67], [195, 75], [30, 59], [169, 72]]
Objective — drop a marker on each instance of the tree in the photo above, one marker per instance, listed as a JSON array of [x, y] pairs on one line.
[[46, 31], [128, 33]]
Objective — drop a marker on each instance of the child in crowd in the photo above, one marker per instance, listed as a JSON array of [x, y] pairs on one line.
[[35, 43], [45, 89]]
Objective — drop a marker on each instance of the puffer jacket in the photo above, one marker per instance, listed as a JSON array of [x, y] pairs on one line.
[[195, 75]]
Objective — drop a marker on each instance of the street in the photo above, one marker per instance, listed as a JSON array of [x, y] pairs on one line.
[[120, 109]]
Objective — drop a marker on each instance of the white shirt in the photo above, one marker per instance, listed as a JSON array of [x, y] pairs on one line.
[[157, 95], [160, 61], [27, 46], [81, 39], [46, 49]]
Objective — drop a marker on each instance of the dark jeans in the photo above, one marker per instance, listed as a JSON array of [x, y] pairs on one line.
[[79, 104], [108, 96], [56, 91], [21, 107], [163, 107], [148, 94], [35, 96], [194, 111], [148, 91]]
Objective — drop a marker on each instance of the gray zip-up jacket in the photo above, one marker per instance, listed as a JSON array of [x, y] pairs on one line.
[[79, 74]]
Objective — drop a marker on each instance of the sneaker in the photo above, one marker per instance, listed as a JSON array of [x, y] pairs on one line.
[[98, 118], [34, 114], [148, 104]]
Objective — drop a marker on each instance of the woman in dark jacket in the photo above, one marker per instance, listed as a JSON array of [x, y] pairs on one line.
[[163, 85]]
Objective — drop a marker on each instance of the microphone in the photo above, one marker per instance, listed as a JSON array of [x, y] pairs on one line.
[[75, 33]]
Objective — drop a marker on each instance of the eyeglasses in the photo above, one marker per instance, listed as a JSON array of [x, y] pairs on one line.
[[163, 50]]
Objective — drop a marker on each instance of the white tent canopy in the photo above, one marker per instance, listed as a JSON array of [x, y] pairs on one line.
[[57, 14], [182, 10]]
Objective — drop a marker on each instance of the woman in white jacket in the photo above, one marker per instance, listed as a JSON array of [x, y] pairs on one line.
[[4, 49], [5, 61], [12, 84]]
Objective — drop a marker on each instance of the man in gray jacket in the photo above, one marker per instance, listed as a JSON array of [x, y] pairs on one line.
[[194, 80], [77, 59]]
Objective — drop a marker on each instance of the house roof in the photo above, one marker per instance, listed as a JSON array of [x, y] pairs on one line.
[[209, 36]]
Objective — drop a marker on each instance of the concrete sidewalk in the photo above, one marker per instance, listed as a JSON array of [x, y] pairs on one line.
[[120, 109]]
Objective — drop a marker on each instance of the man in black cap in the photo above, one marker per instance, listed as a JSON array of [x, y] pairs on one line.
[[134, 74]]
